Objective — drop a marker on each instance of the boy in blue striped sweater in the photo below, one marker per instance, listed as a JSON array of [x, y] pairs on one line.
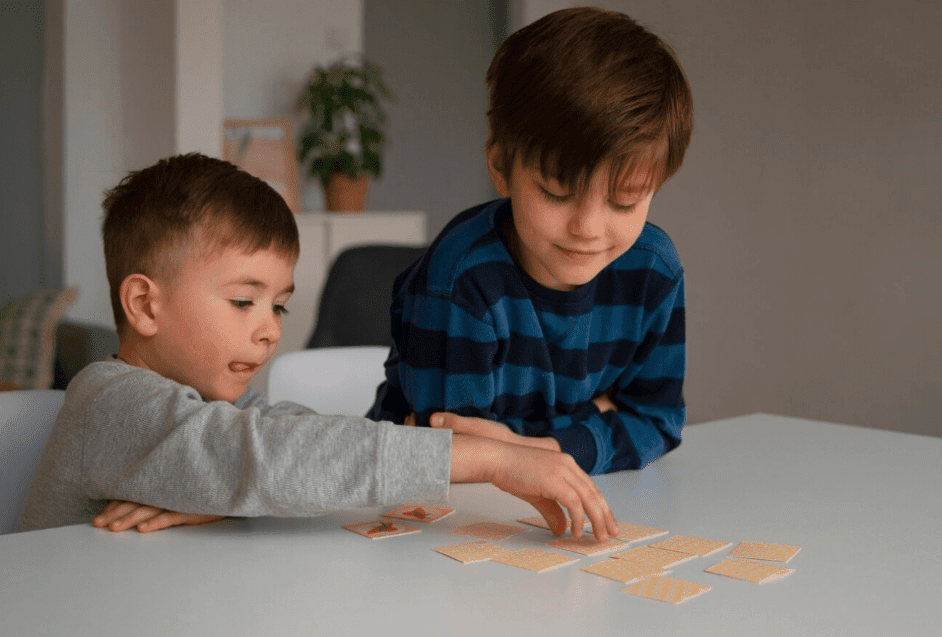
[[555, 316]]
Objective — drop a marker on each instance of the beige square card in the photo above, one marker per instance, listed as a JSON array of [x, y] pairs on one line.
[[587, 545], [472, 552], [489, 530], [653, 556], [666, 589], [534, 559], [623, 571], [636, 533], [750, 570], [763, 551], [691, 545]]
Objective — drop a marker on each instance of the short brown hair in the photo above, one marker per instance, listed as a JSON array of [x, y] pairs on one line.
[[179, 201], [585, 87]]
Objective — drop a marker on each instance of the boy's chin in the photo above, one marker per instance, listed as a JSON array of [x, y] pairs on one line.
[[228, 394]]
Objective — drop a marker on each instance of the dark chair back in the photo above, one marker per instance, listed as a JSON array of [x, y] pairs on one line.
[[354, 306]]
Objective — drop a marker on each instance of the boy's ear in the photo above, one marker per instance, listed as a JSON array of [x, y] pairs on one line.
[[494, 169], [139, 299]]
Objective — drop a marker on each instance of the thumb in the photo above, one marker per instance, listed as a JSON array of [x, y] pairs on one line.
[[458, 424]]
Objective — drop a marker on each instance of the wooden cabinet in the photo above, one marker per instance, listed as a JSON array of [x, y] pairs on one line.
[[323, 237]]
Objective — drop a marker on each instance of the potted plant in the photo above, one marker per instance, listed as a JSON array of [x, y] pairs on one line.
[[342, 142]]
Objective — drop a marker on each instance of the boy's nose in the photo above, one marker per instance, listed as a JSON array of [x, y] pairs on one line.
[[270, 329], [585, 220]]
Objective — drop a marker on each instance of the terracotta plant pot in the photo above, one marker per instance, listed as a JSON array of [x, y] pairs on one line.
[[343, 194]]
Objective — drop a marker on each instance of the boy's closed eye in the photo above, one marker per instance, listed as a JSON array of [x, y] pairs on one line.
[[557, 194], [620, 207], [555, 197]]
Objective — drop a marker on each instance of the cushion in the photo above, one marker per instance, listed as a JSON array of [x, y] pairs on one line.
[[28, 337]]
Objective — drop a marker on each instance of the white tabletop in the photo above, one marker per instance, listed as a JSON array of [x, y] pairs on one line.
[[865, 506]]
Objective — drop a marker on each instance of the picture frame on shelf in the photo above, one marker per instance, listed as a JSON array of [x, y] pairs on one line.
[[264, 148]]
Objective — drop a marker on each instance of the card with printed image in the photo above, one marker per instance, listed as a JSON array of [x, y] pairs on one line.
[[424, 513], [377, 529]]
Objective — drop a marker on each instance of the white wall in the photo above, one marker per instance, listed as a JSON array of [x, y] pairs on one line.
[[198, 70], [270, 50], [808, 213], [117, 104], [144, 80]]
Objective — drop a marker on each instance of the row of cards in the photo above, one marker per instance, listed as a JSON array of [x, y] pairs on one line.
[[644, 568]]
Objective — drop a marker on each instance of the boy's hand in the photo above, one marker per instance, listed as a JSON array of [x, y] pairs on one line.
[[604, 401], [118, 515], [546, 479], [488, 429]]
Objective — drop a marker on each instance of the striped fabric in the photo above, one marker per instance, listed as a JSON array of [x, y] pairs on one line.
[[475, 335]]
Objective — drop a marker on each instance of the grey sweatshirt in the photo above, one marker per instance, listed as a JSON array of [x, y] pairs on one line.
[[127, 433]]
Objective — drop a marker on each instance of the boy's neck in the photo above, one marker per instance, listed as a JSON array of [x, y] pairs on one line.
[[131, 353]]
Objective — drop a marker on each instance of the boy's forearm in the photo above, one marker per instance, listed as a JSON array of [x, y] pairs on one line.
[[472, 458]]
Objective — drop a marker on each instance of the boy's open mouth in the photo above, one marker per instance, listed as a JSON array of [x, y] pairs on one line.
[[243, 367]]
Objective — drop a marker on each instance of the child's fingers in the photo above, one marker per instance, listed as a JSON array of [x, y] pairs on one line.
[[590, 502], [578, 521], [596, 509], [139, 513], [603, 520], [164, 520], [107, 514], [112, 512]]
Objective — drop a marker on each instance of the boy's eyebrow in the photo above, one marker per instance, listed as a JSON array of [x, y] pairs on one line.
[[261, 285]]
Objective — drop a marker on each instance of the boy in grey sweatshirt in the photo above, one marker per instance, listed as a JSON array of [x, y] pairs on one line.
[[200, 259]]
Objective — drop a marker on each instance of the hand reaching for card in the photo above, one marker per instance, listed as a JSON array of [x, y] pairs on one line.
[[118, 515], [549, 480]]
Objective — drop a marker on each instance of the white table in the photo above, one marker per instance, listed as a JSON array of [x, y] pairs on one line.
[[865, 505]]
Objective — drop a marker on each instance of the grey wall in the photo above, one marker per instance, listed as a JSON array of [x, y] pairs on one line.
[[434, 55], [23, 267], [808, 213], [809, 210]]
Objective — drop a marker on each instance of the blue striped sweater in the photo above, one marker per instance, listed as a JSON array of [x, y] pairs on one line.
[[475, 335]]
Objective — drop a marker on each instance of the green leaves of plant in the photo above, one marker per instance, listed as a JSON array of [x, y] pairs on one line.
[[345, 131]]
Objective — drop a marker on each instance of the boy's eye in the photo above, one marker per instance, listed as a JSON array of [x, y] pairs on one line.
[[241, 303], [280, 310], [623, 208], [563, 198]]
